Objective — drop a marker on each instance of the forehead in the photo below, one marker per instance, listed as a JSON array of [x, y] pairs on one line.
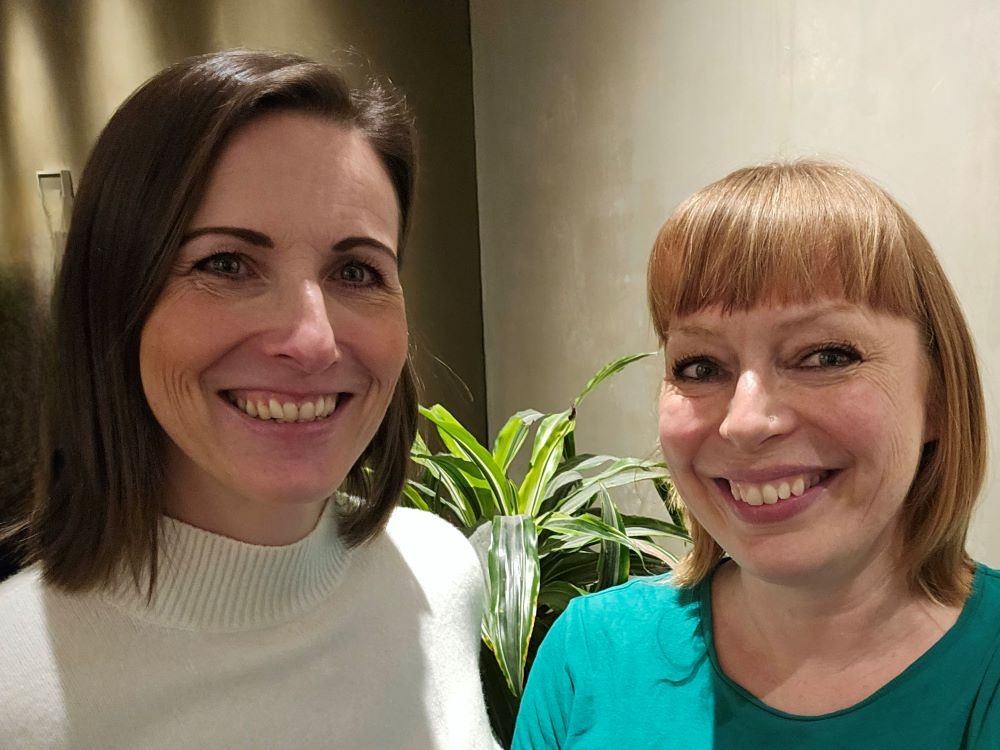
[[288, 168]]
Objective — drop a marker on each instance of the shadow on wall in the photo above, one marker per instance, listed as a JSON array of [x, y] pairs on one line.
[[22, 326]]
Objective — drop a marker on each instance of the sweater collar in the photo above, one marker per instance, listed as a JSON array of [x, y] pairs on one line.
[[213, 583]]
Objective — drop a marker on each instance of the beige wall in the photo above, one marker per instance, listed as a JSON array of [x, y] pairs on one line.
[[65, 66], [595, 118]]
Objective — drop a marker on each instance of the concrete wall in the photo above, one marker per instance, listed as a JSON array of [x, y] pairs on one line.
[[594, 119], [66, 64]]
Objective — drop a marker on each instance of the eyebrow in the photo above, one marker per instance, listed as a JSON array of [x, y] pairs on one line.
[[259, 239], [247, 235], [804, 319]]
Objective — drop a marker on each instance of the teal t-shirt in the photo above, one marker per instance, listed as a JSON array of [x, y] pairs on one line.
[[634, 667]]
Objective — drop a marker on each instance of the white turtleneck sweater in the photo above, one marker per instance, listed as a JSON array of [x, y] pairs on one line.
[[306, 646]]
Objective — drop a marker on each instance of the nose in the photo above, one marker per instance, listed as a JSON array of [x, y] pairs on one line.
[[301, 330], [756, 413]]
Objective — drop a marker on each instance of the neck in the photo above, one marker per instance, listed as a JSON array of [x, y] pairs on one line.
[[787, 614], [827, 624], [261, 521]]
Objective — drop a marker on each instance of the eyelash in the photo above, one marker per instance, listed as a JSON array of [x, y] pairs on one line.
[[841, 349], [205, 265], [378, 279], [685, 362]]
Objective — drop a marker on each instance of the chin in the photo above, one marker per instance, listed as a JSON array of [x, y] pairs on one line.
[[783, 565], [298, 493]]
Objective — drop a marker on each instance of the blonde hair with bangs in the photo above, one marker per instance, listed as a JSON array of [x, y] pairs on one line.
[[786, 233]]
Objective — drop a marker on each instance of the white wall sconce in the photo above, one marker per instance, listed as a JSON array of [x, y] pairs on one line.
[[56, 191]]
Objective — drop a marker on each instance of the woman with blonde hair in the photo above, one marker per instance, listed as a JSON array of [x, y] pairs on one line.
[[822, 416]]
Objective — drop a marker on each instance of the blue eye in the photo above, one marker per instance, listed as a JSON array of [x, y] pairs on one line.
[[827, 356], [695, 369]]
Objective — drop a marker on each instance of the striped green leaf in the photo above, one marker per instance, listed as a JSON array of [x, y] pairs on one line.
[[463, 441], [607, 371], [512, 436], [513, 575], [622, 472], [613, 562], [458, 495], [545, 459]]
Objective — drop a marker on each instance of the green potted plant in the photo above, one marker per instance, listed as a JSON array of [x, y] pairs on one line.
[[544, 537]]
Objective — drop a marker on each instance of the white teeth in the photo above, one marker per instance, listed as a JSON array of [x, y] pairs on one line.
[[289, 411], [307, 412], [769, 494], [325, 405]]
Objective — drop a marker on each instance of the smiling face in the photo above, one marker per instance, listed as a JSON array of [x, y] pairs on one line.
[[793, 433], [272, 353]]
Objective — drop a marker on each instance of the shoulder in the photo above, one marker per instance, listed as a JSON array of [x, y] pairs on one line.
[[413, 524], [989, 579], [986, 595], [21, 597], [437, 555], [647, 601], [29, 611], [619, 642], [985, 720], [427, 540], [29, 658], [646, 617]]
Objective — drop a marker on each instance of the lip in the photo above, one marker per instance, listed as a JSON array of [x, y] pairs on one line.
[[771, 473], [280, 394], [782, 510]]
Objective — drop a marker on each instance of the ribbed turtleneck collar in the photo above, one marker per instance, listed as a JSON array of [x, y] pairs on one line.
[[213, 583]]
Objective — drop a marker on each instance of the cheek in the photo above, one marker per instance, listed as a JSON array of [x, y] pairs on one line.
[[875, 419], [174, 347], [682, 429], [381, 341], [878, 432], [162, 375]]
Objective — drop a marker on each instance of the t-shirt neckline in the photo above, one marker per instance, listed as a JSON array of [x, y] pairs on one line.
[[922, 663]]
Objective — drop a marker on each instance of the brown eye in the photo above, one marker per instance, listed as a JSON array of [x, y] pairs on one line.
[[359, 274], [223, 264]]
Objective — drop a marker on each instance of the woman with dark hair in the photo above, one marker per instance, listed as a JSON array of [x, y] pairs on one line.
[[823, 419], [22, 327], [231, 348]]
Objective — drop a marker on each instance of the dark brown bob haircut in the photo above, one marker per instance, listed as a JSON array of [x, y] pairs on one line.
[[100, 513], [790, 233]]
